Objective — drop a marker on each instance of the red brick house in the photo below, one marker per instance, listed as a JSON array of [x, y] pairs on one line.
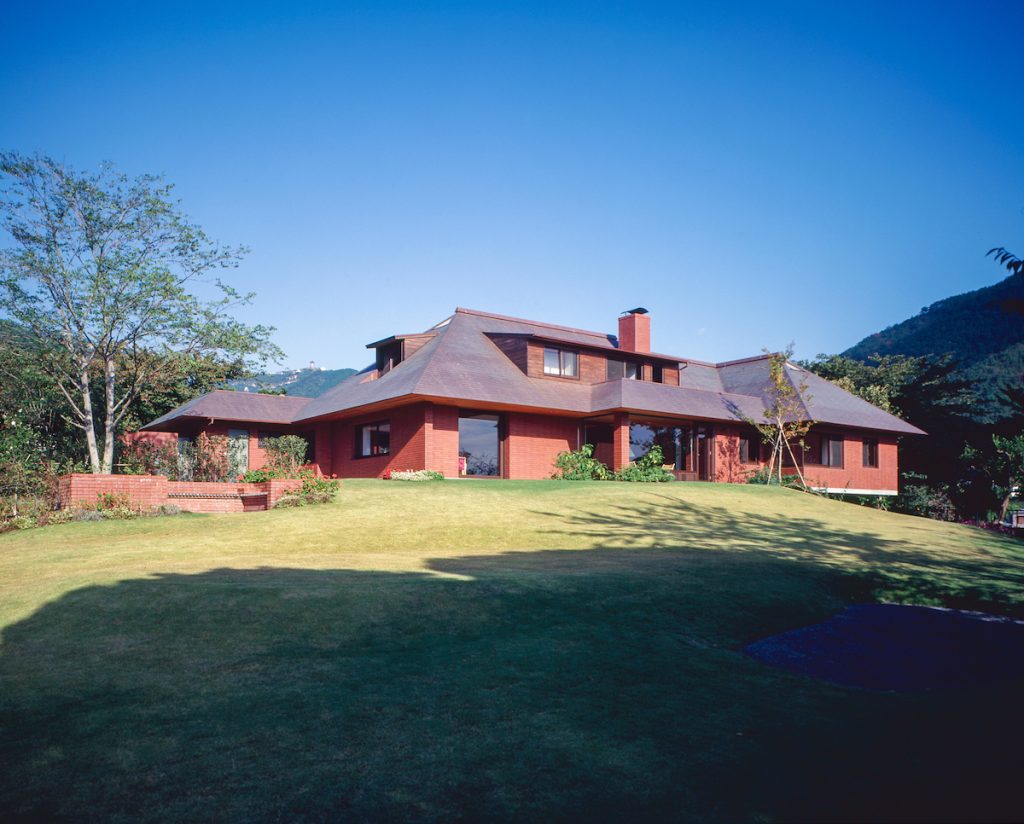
[[486, 395]]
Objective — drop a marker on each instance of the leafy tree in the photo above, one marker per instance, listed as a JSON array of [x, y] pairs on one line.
[[101, 275], [1002, 465], [1006, 258], [786, 420]]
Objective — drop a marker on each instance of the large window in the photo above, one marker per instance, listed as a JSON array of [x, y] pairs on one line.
[[870, 453], [831, 451], [673, 440], [479, 445], [373, 439], [561, 362], [630, 370]]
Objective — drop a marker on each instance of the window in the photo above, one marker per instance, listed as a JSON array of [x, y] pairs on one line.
[[264, 437], [749, 449], [831, 451], [373, 439], [479, 444], [629, 370], [561, 363], [870, 454]]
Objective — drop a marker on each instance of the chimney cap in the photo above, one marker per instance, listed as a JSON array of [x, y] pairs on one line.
[[638, 311]]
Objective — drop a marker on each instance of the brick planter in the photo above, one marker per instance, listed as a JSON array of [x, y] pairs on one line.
[[150, 491]]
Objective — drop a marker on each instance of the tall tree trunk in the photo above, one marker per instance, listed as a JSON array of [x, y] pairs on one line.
[[1006, 504], [109, 424], [88, 419]]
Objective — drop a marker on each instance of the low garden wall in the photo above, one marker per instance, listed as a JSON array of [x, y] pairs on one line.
[[145, 492]]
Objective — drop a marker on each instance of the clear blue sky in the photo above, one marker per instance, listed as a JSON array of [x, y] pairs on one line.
[[753, 175]]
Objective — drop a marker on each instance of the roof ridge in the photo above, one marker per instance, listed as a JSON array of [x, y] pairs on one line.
[[264, 394], [462, 310]]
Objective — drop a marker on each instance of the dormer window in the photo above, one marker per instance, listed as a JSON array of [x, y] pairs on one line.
[[624, 370], [388, 357], [561, 363]]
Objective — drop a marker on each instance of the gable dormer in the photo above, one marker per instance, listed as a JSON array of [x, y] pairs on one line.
[[393, 350]]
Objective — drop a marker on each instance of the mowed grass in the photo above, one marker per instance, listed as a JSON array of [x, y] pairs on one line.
[[488, 650]]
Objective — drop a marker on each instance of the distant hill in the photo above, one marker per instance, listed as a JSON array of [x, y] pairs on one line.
[[983, 330], [302, 382]]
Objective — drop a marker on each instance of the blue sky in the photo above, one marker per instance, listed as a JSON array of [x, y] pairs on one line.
[[752, 175]]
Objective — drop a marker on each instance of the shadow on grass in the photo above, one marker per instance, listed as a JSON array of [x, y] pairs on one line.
[[602, 684], [875, 567]]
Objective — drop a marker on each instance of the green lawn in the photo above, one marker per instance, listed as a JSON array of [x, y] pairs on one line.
[[488, 650]]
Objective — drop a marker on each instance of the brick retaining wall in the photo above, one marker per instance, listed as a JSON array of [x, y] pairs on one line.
[[149, 491]]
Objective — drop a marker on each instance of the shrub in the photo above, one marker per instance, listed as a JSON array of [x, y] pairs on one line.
[[258, 476], [111, 500], [22, 522], [918, 498], [118, 513], [580, 465], [61, 516], [285, 454], [764, 478], [289, 500], [413, 475], [648, 469], [167, 509], [323, 488], [87, 515], [142, 457]]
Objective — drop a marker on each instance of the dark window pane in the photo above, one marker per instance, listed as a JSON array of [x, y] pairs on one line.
[[479, 445], [870, 453], [616, 369], [633, 371], [570, 364]]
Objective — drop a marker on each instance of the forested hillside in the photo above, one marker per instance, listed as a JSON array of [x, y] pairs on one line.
[[983, 330]]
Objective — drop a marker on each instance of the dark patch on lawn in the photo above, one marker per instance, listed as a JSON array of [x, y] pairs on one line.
[[897, 647]]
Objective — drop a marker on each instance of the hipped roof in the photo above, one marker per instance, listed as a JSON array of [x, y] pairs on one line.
[[463, 365]]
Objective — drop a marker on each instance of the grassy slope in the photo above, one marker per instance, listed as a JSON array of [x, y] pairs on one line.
[[488, 649]]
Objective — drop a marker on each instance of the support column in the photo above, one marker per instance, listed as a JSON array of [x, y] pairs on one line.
[[620, 441]]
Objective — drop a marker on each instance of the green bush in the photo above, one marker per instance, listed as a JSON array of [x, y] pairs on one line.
[[580, 465], [316, 485], [648, 469], [119, 513], [258, 476], [285, 454], [762, 477]]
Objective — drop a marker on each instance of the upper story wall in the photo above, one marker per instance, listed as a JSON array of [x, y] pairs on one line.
[[528, 355]]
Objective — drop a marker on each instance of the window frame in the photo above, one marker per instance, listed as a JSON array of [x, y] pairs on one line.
[[823, 452], [638, 370], [358, 439], [563, 356], [753, 445], [869, 453]]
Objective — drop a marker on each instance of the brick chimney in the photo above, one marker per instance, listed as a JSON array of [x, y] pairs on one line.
[[635, 330]]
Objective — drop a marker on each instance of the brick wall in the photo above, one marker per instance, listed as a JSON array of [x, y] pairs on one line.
[[442, 440], [145, 492], [408, 443], [851, 475], [534, 441]]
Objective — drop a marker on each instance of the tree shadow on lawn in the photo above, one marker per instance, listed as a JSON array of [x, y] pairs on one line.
[[601, 684], [985, 573]]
